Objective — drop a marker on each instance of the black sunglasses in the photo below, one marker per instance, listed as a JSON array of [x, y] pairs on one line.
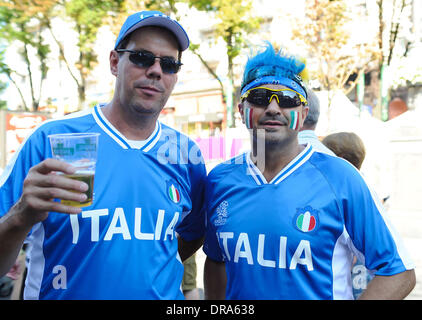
[[146, 59], [262, 96]]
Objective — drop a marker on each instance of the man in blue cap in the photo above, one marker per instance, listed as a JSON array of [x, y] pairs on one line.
[[284, 220], [146, 217]]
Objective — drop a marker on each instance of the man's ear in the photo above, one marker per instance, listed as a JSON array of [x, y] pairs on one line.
[[114, 61], [240, 107], [305, 111]]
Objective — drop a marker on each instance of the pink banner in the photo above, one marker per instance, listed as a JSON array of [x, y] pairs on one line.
[[214, 148]]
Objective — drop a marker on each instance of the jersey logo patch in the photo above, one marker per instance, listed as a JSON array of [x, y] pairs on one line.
[[173, 191], [221, 214], [306, 219]]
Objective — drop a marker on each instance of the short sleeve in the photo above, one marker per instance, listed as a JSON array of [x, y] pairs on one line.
[[211, 245], [192, 225]]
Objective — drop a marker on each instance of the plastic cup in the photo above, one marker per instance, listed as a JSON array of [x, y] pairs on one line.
[[79, 150]]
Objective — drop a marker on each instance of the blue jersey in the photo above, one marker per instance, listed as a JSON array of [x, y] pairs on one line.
[[123, 246], [295, 236]]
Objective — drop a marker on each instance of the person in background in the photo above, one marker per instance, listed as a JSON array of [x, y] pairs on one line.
[[189, 286], [147, 214], [349, 146], [7, 282], [307, 132]]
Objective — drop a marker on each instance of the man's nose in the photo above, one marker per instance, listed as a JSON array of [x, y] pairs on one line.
[[273, 106], [155, 70]]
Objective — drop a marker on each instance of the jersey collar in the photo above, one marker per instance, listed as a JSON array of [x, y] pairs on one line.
[[298, 161], [110, 130]]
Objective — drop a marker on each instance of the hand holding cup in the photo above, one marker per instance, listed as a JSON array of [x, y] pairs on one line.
[[79, 150]]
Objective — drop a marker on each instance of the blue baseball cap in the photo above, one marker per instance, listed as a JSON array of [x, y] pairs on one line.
[[157, 19]]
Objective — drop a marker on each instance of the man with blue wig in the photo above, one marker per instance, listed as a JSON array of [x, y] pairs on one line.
[[284, 220]]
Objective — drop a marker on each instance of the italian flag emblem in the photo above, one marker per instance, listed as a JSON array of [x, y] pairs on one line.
[[306, 222], [173, 193], [294, 120]]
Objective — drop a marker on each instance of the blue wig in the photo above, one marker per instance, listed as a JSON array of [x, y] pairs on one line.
[[270, 67]]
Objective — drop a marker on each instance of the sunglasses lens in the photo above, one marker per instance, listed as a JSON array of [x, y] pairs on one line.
[[169, 65], [258, 97], [142, 59], [289, 99], [262, 98], [146, 60]]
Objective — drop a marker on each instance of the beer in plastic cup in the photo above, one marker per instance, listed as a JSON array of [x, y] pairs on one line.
[[79, 150]]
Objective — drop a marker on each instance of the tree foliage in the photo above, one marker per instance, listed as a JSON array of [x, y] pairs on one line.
[[390, 27], [87, 16], [3, 85], [326, 35], [23, 22], [235, 21], [20, 23]]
